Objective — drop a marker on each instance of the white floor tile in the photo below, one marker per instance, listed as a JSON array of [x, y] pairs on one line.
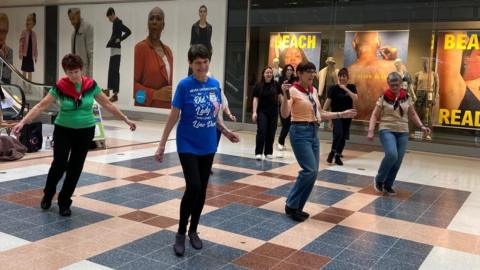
[[84, 265], [442, 258], [23, 172], [8, 242]]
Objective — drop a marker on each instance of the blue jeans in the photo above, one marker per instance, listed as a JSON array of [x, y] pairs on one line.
[[306, 148], [394, 145]]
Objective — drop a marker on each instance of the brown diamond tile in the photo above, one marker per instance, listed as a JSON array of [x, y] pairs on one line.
[[370, 190], [266, 197], [33, 202], [338, 212], [288, 177], [403, 194], [250, 191], [269, 174], [231, 198], [309, 260], [253, 202], [256, 262], [328, 218], [288, 266], [220, 203], [142, 177], [162, 222], [229, 187], [16, 197], [274, 251], [182, 189], [139, 216], [34, 193]]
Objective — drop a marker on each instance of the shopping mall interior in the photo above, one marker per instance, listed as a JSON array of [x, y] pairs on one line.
[[125, 211]]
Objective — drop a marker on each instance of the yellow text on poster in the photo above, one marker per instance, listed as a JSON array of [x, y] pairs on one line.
[[455, 118], [295, 41], [461, 41]]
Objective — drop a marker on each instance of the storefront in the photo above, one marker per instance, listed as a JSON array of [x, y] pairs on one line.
[[433, 44]]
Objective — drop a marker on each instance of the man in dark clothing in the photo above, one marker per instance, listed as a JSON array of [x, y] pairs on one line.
[[119, 33]]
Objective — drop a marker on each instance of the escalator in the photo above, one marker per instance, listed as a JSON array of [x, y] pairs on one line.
[[18, 95]]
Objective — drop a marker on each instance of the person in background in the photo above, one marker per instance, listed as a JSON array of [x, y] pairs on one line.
[[119, 33], [288, 78], [340, 97], [393, 110], [82, 40], [28, 51], [5, 51], [197, 102], [201, 32], [74, 129], [302, 103], [265, 113]]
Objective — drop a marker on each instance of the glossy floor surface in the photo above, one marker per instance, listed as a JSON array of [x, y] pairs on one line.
[[126, 208]]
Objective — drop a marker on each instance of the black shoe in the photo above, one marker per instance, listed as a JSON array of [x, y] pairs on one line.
[[304, 214], [179, 246], [330, 156], [64, 211], [195, 241], [46, 203], [338, 160], [291, 211], [297, 216], [389, 190], [377, 186]]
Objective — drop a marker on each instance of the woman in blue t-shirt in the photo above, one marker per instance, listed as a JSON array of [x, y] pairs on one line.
[[199, 100]]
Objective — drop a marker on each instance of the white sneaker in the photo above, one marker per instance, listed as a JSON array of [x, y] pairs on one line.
[[269, 156], [258, 157], [281, 147]]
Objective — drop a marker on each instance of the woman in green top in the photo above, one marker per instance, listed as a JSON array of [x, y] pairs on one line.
[[74, 129]]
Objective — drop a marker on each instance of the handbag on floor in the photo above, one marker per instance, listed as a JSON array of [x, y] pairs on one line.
[[31, 136]]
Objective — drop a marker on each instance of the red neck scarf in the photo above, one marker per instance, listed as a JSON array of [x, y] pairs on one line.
[[390, 97], [68, 88], [303, 90]]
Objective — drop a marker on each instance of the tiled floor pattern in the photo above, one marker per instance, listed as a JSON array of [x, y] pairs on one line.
[[126, 215]]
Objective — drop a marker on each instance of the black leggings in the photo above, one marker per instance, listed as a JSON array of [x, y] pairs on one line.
[[341, 133], [266, 128], [69, 153], [196, 170], [286, 123]]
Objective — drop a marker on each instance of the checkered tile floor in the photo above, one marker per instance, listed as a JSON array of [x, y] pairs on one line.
[[129, 222]]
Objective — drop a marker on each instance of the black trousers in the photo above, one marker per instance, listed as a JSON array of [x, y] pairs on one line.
[[286, 123], [341, 133], [114, 73], [196, 170], [69, 153], [266, 128]]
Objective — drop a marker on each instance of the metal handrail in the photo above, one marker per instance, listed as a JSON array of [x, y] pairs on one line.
[[20, 103], [19, 74]]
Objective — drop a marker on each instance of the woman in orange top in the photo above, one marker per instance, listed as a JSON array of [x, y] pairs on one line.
[[302, 102], [153, 66]]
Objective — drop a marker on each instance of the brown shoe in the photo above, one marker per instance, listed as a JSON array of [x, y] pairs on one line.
[[114, 98], [106, 92]]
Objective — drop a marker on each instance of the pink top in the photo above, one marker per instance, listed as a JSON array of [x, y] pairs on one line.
[[302, 109], [24, 44]]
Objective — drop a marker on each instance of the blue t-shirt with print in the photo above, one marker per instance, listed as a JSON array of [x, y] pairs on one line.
[[199, 103]]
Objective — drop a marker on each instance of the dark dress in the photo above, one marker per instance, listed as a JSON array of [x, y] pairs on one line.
[[27, 61]]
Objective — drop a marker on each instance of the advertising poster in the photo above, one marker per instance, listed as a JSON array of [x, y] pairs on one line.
[[370, 56], [458, 67], [294, 48], [153, 64]]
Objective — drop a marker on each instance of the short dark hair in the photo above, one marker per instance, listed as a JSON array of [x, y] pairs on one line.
[[110, 12], [203, 6], [73, 10], [34, 18], [302, 67], [71, 61], [343, 72], [198, 51]]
